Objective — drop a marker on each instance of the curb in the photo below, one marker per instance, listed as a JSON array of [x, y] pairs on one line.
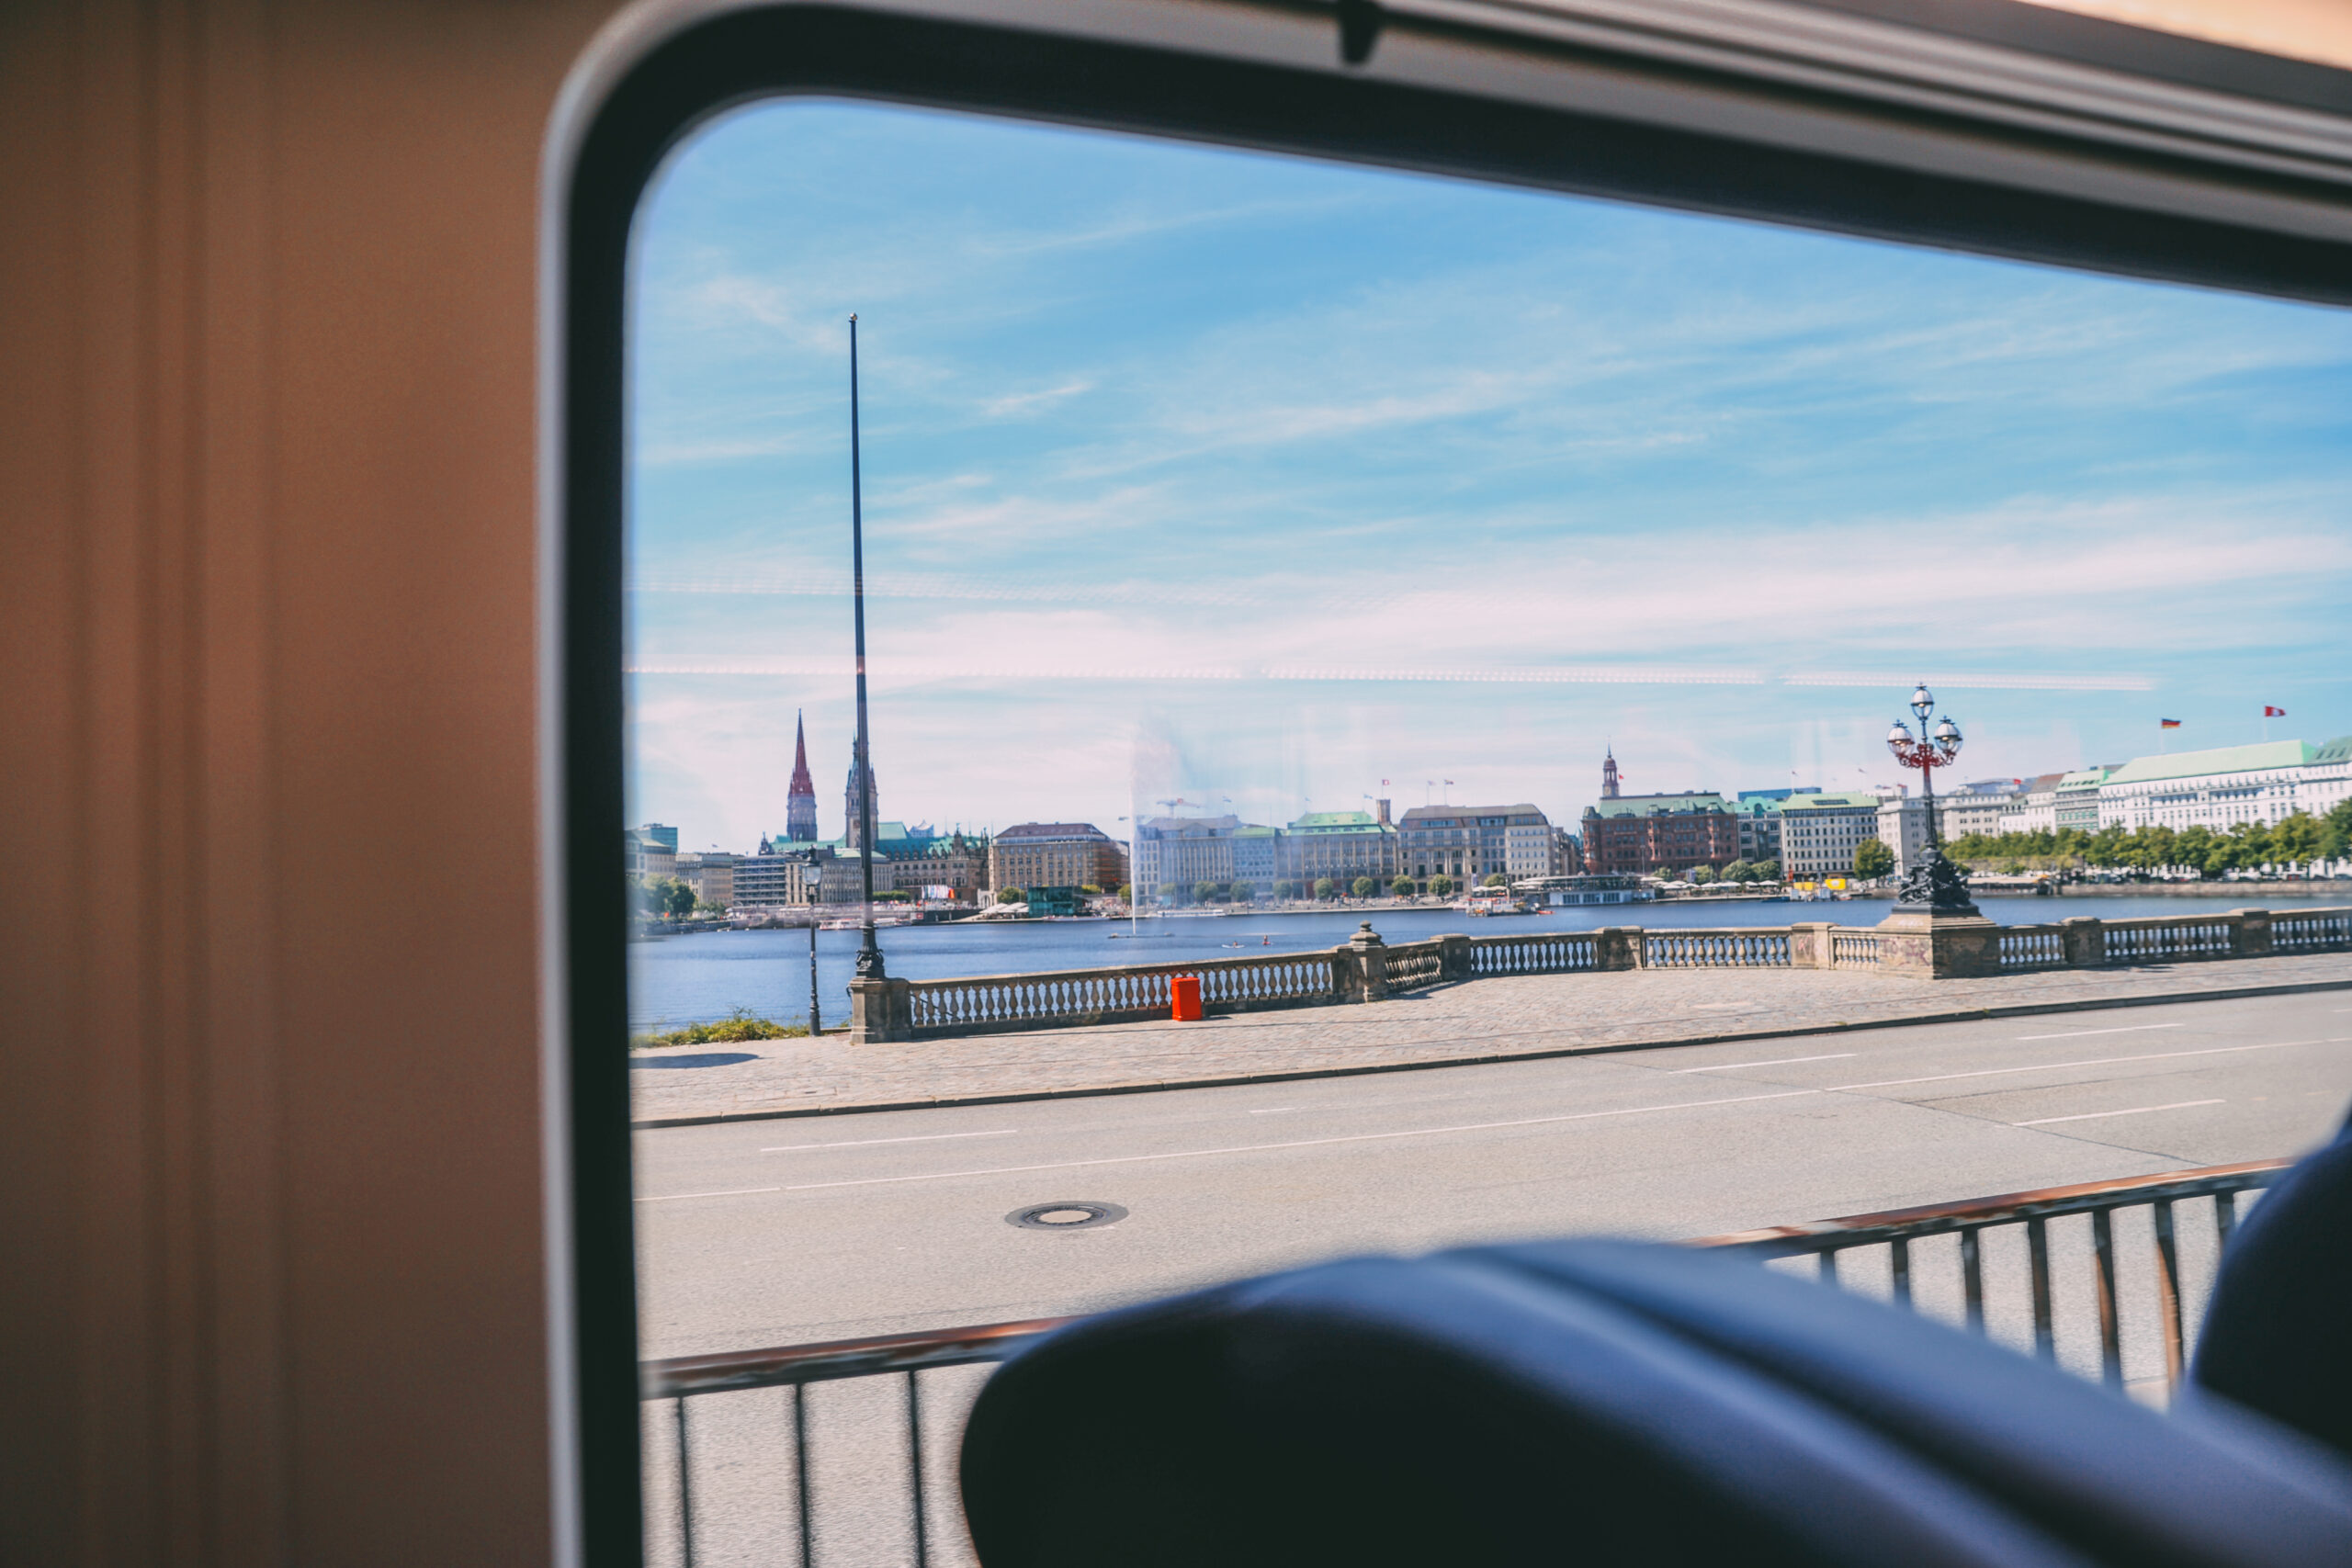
[[1963, 1015]]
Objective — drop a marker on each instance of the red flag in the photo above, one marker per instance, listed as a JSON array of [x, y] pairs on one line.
[[2168, 724], [2269, 711]]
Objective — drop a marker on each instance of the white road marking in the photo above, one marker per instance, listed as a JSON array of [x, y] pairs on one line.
[[2093, 1062], [1275, 1110], [869, 1143], [2078, 1034], [1485, 1126], [1300, 1143], [729, 1192], [1776, 1062], [2135, 1111]]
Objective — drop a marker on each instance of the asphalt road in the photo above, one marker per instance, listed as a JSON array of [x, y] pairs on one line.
[[771, 1233]]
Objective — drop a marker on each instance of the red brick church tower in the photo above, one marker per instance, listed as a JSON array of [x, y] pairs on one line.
[[801, 804]]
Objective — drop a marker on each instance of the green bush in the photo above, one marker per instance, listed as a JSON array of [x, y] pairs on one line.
[[733, 1030]]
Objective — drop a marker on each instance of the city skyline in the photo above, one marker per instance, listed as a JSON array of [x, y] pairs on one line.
[[1556, 474]]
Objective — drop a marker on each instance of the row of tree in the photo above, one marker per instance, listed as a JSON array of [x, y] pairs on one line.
[[1323, 887], [2295, 841], [1738, 870]]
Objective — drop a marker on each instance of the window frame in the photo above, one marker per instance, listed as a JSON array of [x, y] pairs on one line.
[[1987, 126]]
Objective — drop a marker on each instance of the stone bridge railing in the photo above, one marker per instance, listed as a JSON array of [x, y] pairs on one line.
[[1367, 969]]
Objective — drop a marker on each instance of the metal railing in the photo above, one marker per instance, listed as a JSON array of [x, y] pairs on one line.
[[1975, 1221], [1979, 1225]]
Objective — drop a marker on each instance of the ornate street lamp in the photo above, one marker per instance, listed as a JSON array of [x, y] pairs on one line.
[[869, 952], [1934, 885]]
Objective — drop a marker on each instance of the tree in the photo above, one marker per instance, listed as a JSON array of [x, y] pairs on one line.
[[2338, 840], [1127, 891], [1285, 890], [1402, 887], [1012, 895], [1497, 879], [1739, 871], [1702, 875], [1203, 891], [1441, 884], [1873, 859], [1167, 892], [1363, 887], [1088, 889], [1323, 888], [1768, 871], [1244, 892]]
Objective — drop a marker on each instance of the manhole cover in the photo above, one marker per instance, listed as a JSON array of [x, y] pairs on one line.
[[1068, 1216]]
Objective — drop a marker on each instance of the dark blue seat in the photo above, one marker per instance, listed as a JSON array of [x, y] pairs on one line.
[[2278, 1334], [1600, 1403]]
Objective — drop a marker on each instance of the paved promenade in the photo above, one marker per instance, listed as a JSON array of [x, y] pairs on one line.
[[1501, 1019]]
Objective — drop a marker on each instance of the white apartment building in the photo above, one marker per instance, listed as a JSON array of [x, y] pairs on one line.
[[1902, 829], [1975, 807], [2219, 788], [1820, 832]]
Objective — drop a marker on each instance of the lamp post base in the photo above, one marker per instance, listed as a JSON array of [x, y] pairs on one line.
[[1930, 944]]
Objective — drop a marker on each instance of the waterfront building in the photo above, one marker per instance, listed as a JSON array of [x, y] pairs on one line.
[[1057, 854], [1903, 826], [1975, 807], [800, 802], [711, 873], [650, 851], [1819, 833], [1637, 835], [2074, 802], [775, 876], [1184, 851], [2221, 787], [1567, 854], [1470, 843], [2033, 809], [1758, 811], [1341, 845]]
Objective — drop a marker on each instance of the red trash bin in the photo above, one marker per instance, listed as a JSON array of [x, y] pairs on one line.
[[1185, 991]]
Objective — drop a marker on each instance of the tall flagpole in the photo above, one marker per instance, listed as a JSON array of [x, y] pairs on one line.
[[869, 952]]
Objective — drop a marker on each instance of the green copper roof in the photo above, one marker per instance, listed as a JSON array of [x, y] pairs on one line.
[[1335, 822], [2337, 750], [1829, 802], [1659, 805], [2088, 778], [2251, 759]]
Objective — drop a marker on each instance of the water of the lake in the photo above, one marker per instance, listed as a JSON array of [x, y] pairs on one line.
[[691, 980]]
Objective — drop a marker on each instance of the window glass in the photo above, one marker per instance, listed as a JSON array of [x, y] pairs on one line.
[[1315, 580]]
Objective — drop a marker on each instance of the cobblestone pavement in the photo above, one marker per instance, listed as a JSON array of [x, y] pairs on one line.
[[1473, 1020]]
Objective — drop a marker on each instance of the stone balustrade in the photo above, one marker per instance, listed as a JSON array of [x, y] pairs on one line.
[[1367, 969]]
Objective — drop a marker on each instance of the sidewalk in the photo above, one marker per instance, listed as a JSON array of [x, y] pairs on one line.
[[1487, 1019]]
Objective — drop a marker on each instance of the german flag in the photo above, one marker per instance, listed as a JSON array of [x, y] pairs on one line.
[[2168, 724]]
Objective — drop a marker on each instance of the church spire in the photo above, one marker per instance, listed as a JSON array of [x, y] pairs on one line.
[[800, 803], [1609, 774]]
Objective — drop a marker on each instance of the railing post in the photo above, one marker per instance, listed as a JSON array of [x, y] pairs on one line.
[[1617, 947], [2083, 939], [1368, 958], [2250, 933], [1809, 945], [880, 1011], [1453, 956]]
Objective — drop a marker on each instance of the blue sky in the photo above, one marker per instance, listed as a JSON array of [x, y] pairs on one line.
[[1207, 473]]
